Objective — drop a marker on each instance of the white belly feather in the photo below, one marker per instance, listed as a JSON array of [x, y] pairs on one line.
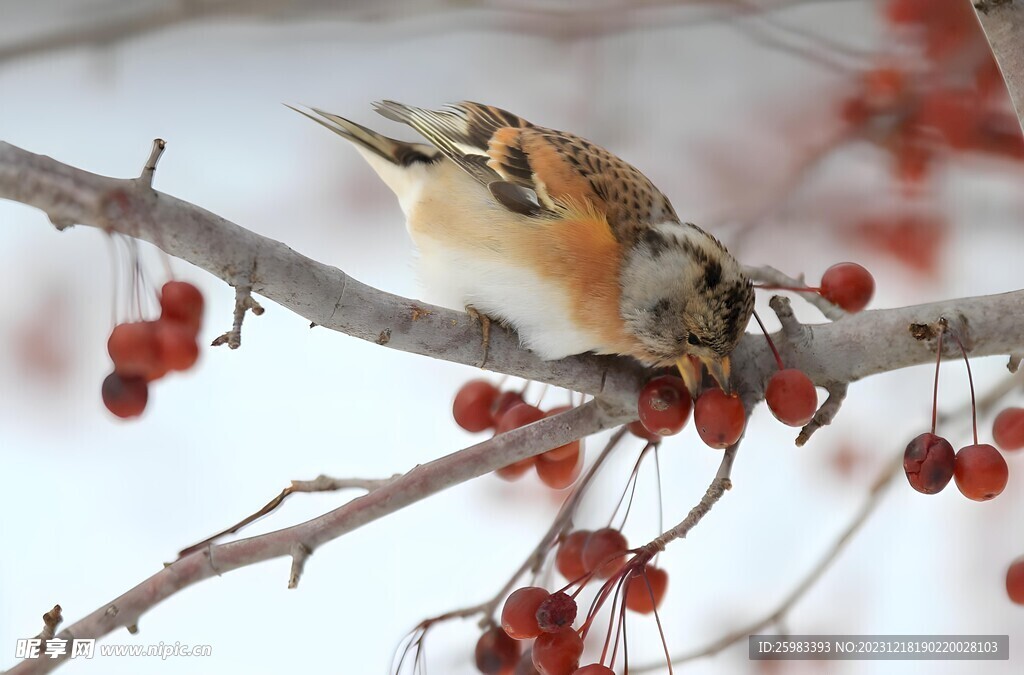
[[505, 291]]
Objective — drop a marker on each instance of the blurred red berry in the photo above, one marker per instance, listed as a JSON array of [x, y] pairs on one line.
[[569, 559], [125, 396], [559, 474], [503, 402], [177, 345], [604, 551], [517, 416], [472, 405], [181, 301], [1008, 429], [1015, 581], [638, 595], [135, 350], [496, 653]]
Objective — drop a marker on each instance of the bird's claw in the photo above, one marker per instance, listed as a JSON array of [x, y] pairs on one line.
[[485, 329]]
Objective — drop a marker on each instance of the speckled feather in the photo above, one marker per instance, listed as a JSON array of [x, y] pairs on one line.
[[565, 171]]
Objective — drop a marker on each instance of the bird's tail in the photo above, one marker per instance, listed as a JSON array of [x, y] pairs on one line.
[[394, 151], [391, 159]]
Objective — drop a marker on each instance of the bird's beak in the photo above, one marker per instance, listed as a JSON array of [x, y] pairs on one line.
[[719, 369], [689, 370]]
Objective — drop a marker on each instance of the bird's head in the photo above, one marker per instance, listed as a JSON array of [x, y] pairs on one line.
[[683, 294]]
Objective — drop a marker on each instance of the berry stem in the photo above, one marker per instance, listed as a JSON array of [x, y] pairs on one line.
[[970, 381], [775, 352], [935, 389]]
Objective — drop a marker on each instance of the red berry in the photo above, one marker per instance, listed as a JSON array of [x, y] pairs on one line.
[[791, 397], [928, 462], [568, 450], [557, 653], [503, 402], [135, 350], [664, 405], [177, 344], [569, 559], [519, 615], [181, 301], [594, 669], [519, 415], [516, 470], [472, 405], [604, 551], [637, 429], [125, 396], [496, 653], [638, 595], [559, 474], [848, 285], [980, 472], [1015, 581], [720, 418], [1008, 429], [556, 613]]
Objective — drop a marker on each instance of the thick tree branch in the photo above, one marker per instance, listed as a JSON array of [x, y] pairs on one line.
[[850, 349], [1003, 23]]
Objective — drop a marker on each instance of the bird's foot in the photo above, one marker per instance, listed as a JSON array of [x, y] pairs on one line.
[[485, 329]]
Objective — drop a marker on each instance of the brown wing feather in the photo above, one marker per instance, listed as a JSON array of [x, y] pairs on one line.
[[566, 171]]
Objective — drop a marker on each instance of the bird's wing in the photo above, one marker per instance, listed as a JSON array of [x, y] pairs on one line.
[[526, 165]]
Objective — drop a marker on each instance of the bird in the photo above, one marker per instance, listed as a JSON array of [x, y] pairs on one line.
[[557, 237]]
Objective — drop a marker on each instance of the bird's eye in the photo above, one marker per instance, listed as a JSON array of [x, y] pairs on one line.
[[693, 340]]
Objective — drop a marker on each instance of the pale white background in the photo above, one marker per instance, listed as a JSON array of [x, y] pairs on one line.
[[90, 505]]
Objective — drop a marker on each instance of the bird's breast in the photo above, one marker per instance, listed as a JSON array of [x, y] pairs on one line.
[[556, 282]]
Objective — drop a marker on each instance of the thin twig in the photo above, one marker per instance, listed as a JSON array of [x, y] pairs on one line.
[[51, 620], [243, 302], [321, 483], [825, 413], [146, 177]]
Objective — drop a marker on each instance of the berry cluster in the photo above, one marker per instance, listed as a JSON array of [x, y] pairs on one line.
[[979, 470], [533, 613], [144, 351], [664, 407], [480, 406], [951, 99]]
